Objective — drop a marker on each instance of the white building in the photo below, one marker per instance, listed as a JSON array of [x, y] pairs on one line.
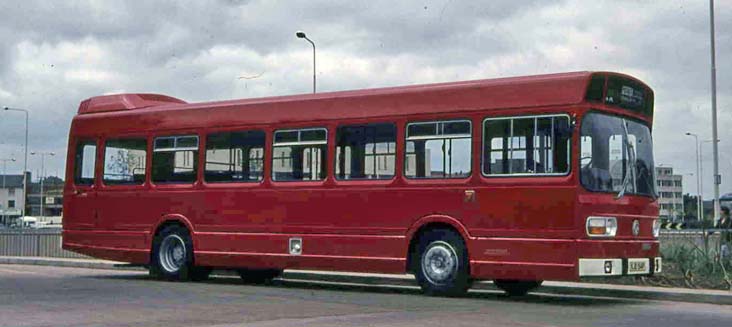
[[12, 198], [670, 193]]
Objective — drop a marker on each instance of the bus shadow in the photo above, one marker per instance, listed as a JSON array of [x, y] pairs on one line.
[[489, 295], [568, 299]]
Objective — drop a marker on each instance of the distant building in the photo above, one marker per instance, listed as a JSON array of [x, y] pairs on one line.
[[12, 198], [53, 190], [670, 193]]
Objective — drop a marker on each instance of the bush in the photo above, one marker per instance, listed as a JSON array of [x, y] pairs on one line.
[[696, 266], [688, 261]]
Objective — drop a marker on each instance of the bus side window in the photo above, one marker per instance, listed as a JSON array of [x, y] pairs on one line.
[[84, 162], [365, 151], [124, 161], [526, 145], [235, 157], [300, 154], [497, 135], [175, 159], [440, 149]]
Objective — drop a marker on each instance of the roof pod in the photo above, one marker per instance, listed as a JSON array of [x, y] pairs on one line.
[[127, 101]]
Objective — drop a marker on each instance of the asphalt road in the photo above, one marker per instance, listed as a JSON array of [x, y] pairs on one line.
[[54, 296]]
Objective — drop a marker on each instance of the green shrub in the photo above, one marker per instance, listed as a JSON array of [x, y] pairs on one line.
[[693, 265], [691, 262]]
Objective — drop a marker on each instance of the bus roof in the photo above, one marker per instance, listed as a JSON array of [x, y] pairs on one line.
[[490, 94]]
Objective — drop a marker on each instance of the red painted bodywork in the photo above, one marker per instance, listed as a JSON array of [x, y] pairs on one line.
[[518, 227]]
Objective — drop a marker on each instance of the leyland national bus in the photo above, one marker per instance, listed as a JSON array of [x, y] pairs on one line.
[[516, 180]]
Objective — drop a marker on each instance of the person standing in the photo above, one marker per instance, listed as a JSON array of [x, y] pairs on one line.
[[725, 237]]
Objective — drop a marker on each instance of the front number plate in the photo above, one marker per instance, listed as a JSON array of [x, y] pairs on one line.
[[638, 266]]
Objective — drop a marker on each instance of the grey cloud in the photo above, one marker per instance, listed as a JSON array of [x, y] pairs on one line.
[[196, 50]]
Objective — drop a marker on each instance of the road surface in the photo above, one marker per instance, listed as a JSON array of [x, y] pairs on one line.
[[55, 296]]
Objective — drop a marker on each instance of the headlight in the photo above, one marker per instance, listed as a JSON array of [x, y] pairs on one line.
[[656, 228], [602, 226]]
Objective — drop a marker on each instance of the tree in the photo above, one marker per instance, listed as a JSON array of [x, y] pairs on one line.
[[690, 206]]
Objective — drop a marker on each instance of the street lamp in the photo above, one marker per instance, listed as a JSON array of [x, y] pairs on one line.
[[301, 34], [717, 177], [25, 159], [43, 156], [699, 211], [5, 162], [701, 162]]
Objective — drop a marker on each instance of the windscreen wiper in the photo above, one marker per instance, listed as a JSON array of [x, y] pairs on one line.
[[631, 162]]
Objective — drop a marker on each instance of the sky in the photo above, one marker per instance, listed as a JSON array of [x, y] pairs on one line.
[[57, 53]]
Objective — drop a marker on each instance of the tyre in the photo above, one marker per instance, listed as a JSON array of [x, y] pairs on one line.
[[516, 287], [172, 257], [258, 276], [442, 263]]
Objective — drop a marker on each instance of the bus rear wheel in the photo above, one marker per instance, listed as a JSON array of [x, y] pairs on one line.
[[258, 276], [442, 263], [172, 257], [516, 287]]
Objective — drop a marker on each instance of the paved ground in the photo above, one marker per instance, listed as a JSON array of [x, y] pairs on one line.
[[55, 296]]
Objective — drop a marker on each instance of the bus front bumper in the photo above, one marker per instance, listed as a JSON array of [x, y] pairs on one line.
[[619, 266]]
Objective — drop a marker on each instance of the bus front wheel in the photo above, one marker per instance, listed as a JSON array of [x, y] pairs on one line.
[[442, 263]]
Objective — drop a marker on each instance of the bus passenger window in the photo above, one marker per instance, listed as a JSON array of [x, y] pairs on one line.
[[84, 162], [124, 161], [438, 149], [235, 157], [175, 159], [365, 151], [526, 145], [299, 155]]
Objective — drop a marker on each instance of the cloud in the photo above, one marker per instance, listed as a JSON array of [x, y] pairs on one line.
[[56, 54]]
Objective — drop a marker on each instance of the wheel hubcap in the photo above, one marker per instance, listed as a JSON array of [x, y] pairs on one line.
[[439, 263], [172, 253]]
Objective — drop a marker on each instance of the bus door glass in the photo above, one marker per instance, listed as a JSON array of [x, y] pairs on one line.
[[82, 198]]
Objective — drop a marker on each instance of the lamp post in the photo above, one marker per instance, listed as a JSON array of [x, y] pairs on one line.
[[5, 162], [699, 211], [717, 177], [301, 34], [43, 157], [701, 163], [25, 159]]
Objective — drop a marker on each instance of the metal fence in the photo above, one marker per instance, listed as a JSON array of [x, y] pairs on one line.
[[34, 243], [707, 239]]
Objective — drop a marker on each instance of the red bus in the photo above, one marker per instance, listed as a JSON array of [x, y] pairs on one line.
[[516, 180]]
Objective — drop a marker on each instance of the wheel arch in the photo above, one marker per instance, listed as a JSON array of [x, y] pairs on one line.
[[167, 220], [171, 219], [428, 223]]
